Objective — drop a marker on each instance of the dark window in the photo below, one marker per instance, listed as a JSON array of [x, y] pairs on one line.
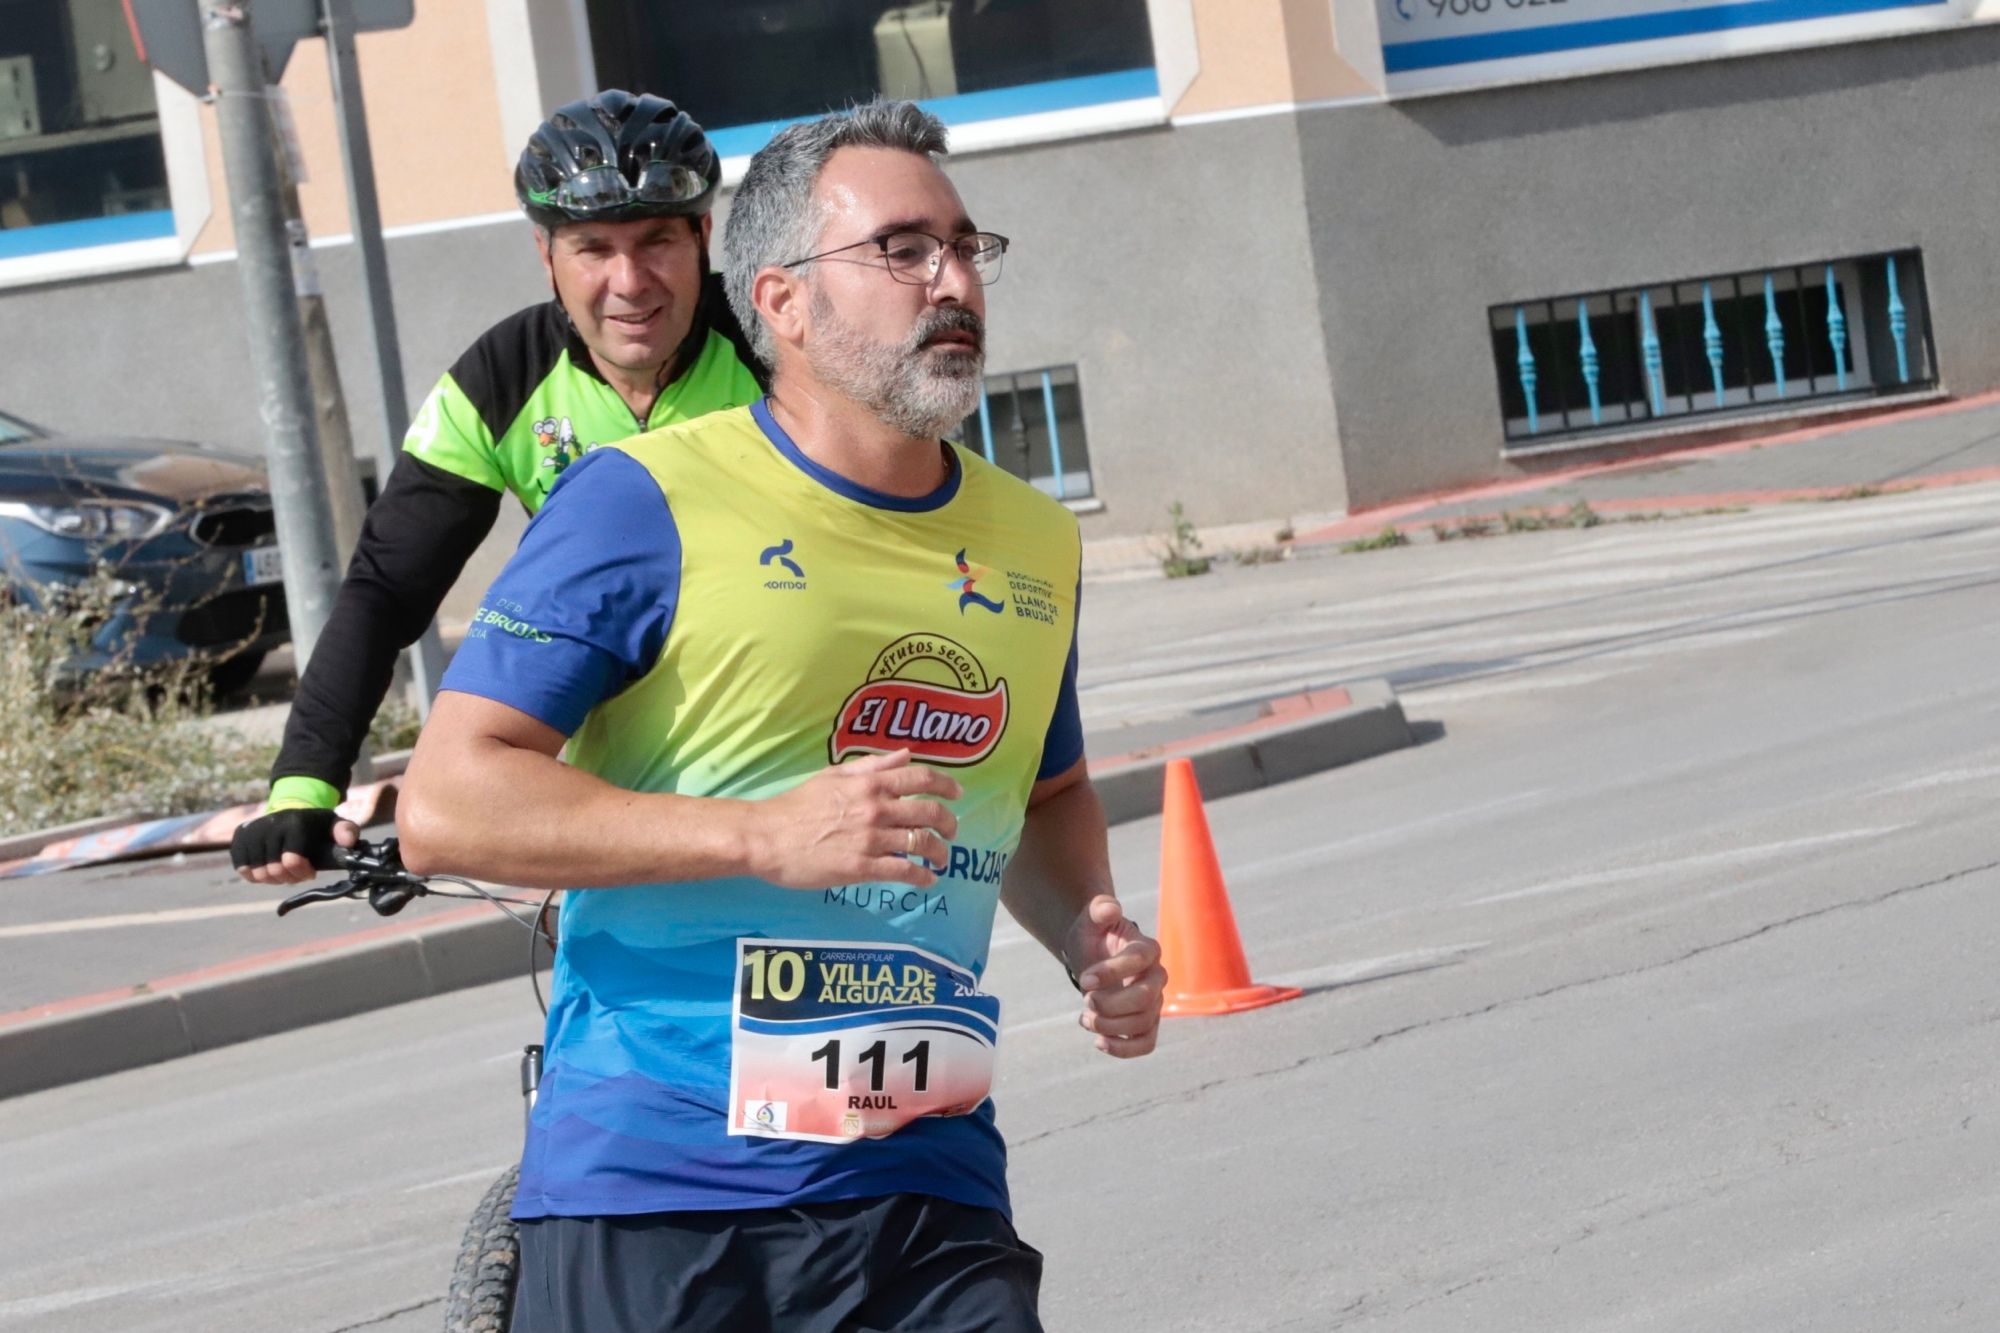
[[80, 151], [1018, 430], [733, 64], [1724, 345]]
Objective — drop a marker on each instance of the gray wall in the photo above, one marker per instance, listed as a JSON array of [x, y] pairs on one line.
[[1173, 268], [163, 352], [1426, 212]]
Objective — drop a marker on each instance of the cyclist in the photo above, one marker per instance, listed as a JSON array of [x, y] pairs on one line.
[[815, 669], [639, 335]]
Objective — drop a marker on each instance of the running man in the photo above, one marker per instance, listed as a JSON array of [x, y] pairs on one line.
[[638, 336], [815, 668]]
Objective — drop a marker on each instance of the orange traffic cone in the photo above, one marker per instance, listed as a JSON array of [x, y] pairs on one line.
[[1206, 971]]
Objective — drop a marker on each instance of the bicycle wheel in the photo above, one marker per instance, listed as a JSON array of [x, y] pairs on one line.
[[481, 1299]]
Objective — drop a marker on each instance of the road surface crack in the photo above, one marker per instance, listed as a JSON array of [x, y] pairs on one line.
[[1200, 1090], [385, 1318]]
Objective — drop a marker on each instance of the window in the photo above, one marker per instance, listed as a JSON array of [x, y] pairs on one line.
[[81, 158], [742, 70], [1031, 423], [13, 430], [1839, 330]]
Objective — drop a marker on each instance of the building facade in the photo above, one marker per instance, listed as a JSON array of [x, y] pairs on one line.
[[1271, 257]]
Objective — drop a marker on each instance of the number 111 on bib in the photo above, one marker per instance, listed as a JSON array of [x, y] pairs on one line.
[[833, 1041]]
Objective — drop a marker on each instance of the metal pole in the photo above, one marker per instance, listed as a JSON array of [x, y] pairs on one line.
[[426, 657], [271, 318]]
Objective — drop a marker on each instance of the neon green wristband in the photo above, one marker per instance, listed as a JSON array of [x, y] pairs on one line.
[[301, 793]]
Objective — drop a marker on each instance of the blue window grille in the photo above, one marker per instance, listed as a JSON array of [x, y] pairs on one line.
[[1030, 422], [1731, 344]]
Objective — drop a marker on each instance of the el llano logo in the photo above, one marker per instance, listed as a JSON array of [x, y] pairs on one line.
[[928, 695]]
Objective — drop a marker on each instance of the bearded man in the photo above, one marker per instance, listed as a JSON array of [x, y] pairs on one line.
[[812, 746]]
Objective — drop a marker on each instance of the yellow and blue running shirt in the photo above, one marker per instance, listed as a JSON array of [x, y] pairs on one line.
[[706, 611]]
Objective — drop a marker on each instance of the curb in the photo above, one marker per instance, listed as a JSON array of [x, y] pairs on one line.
[[67, 1041], [1297, 736], [1404, 514], [72, 1040], [110, 838], [25, 846]]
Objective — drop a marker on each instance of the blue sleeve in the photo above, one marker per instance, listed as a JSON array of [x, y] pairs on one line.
[[583, 608], [1063, 746]]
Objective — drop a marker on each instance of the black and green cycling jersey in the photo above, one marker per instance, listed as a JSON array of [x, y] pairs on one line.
[[526, 401], [522, 404]]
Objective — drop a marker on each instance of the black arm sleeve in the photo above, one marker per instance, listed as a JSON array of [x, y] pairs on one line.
[[413, 546]]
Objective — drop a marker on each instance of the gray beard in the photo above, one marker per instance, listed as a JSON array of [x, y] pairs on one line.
[[919, 394]]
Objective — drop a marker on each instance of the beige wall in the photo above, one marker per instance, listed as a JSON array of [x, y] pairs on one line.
[[1319, 72], [1266, 52], [433, 125]]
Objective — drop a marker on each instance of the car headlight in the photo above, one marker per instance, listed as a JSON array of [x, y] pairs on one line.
[[94, 520]]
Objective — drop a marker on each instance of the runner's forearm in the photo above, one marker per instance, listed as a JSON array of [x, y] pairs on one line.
[[413, 546], [463, 812], [1062, 862]]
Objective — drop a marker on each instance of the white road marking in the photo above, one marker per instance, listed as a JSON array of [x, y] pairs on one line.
[[1948, 777], [67, 1300], [1301, 857], [174, 916], [1735, 855], [1369, 969]]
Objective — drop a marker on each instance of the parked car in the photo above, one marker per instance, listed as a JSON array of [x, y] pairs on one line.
[[187, 532]]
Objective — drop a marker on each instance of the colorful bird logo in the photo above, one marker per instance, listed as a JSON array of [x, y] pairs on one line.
[[968, 576]]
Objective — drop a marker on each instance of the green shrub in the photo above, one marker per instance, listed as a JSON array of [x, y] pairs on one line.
[[1177, 555], [1381, 541], [120, 740], [395, 726]]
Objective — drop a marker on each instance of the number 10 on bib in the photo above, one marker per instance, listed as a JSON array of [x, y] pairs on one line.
[[834, 1041]]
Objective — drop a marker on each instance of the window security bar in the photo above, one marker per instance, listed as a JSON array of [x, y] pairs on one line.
[[1571, 366]]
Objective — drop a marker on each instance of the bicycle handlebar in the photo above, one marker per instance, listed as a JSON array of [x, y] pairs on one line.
[[374, 869]]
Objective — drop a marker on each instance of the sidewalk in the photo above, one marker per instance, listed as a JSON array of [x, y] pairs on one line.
[[1920, 448]]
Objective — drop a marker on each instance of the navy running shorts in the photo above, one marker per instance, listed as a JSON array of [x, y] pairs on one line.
[[907, 1261]]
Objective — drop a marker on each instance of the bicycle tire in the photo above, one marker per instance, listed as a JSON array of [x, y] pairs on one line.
[[481, 1298]]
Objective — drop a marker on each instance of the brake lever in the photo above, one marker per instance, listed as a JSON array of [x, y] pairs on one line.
[[389, 899], [319, 893]]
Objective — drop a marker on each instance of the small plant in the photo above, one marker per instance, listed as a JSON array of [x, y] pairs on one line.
[[1463, 528], [1864, 491], [1531, 521], [1381, 541], [1261, 555], [1581, 515], [395, 726], [116, 739], [1178, 558]]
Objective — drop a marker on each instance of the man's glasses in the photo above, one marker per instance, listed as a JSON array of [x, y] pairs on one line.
[[916, 256]]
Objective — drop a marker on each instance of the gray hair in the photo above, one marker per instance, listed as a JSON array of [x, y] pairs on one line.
[[772, 219]]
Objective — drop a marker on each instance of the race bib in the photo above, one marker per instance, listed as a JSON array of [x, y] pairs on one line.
[[833, 1042]]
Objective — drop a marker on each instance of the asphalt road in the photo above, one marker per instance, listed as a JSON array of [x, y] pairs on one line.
[[1652, 991]]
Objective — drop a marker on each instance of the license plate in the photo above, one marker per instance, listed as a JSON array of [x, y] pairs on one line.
[[263, 564]]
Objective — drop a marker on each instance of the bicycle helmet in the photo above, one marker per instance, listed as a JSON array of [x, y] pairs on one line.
[[614, 157]]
